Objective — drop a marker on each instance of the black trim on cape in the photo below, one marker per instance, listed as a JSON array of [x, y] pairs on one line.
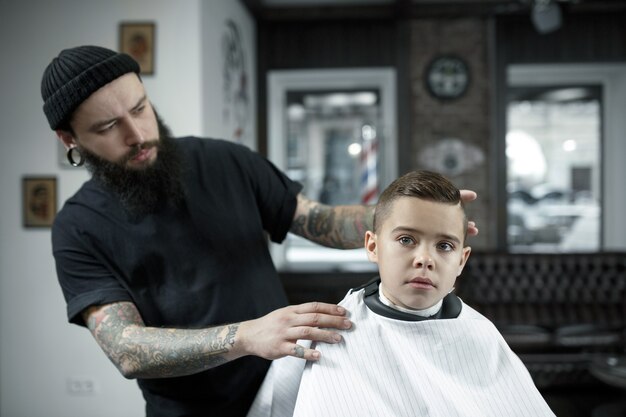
[[450, 309]]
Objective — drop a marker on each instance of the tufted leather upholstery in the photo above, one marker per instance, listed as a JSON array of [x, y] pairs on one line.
[[557, 311]]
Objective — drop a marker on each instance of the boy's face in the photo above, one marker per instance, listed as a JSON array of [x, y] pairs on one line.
[[419, 251]]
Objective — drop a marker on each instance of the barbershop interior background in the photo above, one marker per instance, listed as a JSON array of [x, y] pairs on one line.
[[520, 100]]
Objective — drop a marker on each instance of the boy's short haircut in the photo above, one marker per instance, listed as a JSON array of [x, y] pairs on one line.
[[425, 185]]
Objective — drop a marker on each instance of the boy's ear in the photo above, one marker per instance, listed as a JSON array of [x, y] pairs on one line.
[[66, 138], [370, 246], [466, 253]]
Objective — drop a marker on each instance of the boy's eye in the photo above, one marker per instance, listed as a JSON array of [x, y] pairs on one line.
[[405, 240], [445, 246]]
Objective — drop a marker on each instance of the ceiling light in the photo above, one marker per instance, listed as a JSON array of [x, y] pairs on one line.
[[546, 16]]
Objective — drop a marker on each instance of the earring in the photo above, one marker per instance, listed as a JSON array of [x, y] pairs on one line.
[[70, 157]]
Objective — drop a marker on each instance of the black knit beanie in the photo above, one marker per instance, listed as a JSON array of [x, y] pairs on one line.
[[75, 75]]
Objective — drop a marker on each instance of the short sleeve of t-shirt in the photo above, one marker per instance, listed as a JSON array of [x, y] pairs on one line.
[[220, 176], [275, 193]]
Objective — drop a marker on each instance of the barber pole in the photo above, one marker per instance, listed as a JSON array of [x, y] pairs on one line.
[[369, 156]]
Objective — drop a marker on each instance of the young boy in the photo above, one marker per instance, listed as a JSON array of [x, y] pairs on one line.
[[415, 349]]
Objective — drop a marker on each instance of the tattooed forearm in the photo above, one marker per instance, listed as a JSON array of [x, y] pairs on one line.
[[148, 352], [341, 227], [175, 352]]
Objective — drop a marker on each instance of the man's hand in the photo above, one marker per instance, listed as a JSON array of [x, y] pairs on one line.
[[467, 196], [275, 334]]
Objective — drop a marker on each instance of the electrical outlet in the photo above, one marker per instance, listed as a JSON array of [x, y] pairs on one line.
[[80, 385]]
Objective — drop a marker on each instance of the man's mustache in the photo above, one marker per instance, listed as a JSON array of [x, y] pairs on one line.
[[138, 148]]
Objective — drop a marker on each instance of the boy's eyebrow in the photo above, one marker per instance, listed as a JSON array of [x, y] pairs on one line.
[[98, 125], [417, 231]]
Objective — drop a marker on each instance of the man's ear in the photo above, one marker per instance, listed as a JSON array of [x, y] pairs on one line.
[[464, 257], [370, 246], [66, 138]]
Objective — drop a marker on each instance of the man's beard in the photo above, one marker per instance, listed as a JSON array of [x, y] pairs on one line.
[[144, 190]]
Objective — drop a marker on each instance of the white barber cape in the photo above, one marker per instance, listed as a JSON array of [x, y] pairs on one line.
[[388, 367]]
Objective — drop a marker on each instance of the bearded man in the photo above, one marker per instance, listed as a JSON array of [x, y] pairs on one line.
[[162, 254]]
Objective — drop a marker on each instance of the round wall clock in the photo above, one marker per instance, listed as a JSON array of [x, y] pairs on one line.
[[447, 77]]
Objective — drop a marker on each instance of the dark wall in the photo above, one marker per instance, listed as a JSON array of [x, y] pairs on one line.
[[333, 43], [583, 38], [288, 43], [327, 44], [390, 41], [435, 122]]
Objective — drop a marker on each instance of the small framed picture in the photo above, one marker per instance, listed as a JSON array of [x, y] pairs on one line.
[[137, 40], [39, 196]]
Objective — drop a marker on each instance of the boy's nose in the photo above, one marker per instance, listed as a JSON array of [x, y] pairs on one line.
[[423, 260]]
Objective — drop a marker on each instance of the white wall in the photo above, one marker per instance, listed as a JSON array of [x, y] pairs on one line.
[[217, 123], [39, 350]]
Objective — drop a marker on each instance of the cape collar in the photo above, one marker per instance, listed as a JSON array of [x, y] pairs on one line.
[[450, 309]]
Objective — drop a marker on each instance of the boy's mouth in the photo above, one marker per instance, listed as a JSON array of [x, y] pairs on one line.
[[421, 282]]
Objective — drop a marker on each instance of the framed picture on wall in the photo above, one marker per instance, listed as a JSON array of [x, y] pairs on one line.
[[137, 39], [39, 201]]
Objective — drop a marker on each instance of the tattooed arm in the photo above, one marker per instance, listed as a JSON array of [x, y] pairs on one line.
[[344, 227], [149, 352], [139, 351], [340, 227]]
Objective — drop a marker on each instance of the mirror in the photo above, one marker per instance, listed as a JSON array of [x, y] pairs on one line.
[[334, 131]]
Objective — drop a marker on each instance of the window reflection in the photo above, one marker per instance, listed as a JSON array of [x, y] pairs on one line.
[[334, 131], [332, 149], [332, 145], [553, 169]]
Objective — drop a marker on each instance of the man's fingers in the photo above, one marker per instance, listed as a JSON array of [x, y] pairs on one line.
[[472, 230], [317, 307], [314, 334], [468, 195], [317, 314], [275, 334], [304, 353], [321, 320]]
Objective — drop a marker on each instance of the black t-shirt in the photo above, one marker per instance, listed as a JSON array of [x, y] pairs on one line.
[[204, 263]]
